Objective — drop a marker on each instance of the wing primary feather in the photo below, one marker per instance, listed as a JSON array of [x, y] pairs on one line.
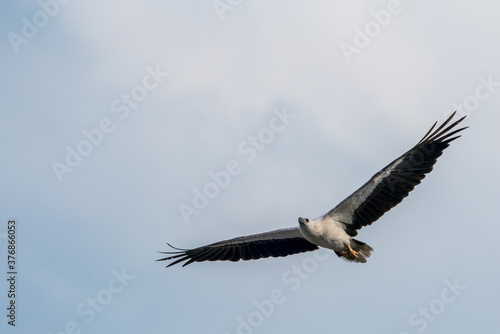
[[451, 134], [433, 135], [187, 262], [437, 136], [179, 249], [428, 132], [203, 255], [178, 261]]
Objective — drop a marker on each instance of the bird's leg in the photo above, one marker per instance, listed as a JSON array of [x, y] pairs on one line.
[[353, 252], [349, 253]]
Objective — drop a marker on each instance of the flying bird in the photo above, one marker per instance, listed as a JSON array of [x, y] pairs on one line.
[[335, 230]]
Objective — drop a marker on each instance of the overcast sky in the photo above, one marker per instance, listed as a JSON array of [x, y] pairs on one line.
[[126, 125]]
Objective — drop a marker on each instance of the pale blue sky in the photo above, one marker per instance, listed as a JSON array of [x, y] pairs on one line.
[[177, 94]]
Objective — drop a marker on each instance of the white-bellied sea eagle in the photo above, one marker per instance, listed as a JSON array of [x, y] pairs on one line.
[[335, 230]]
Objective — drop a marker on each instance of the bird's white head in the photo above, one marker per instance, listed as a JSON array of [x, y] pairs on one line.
[[303, 221]]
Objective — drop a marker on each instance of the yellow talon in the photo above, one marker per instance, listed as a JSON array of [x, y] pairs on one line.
[[353, 252]]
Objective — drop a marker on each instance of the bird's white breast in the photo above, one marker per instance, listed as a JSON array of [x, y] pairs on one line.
[[326, 232]]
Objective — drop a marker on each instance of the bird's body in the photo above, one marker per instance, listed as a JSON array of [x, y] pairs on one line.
[[335, 230], [325, 232]]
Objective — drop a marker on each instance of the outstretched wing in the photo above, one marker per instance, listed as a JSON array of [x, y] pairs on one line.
[[275, 243], [389, 186]]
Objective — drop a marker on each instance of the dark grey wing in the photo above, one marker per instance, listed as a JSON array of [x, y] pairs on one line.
[[389, 186], [275, 243]]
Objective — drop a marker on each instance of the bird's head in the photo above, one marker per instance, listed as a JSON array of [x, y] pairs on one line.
[[303, 221]]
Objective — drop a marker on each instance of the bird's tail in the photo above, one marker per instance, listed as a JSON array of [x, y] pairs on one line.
[[357, 252]]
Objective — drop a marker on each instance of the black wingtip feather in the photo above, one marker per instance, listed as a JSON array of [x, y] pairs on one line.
[[428, 132], [434, 135], [179, 249]]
